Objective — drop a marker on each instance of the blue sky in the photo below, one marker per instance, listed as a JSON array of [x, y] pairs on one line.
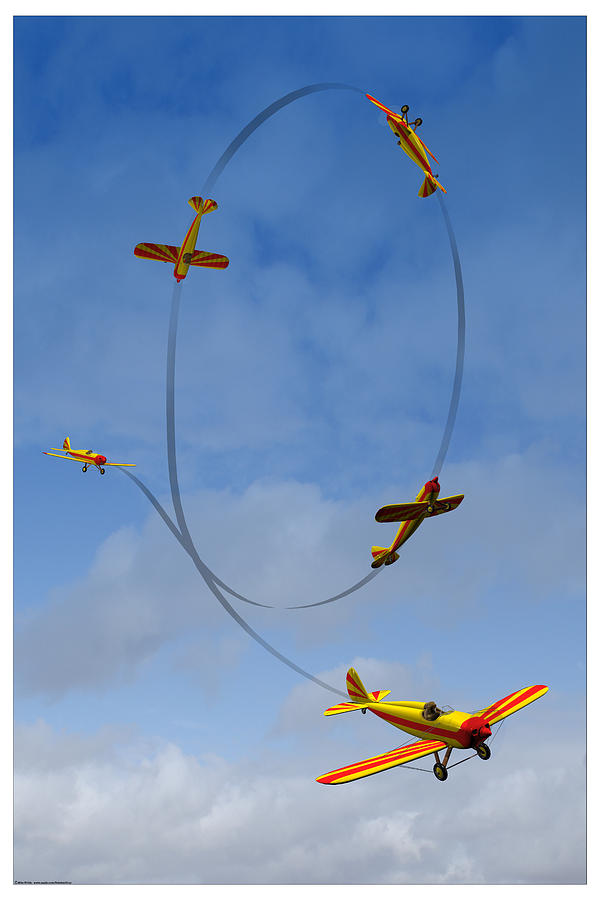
[[312, 386]]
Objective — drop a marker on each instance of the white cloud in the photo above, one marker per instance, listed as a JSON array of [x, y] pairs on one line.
[[140, 814], [519, 530]]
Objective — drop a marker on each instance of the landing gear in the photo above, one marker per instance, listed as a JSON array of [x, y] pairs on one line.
[[431, 510], [483, 751], [102, 471], [364, 712], [84, 468], [439, 770]]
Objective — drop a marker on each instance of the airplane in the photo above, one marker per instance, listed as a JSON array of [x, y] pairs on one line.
[[411, 515], [186, 255], [87, 457], [412, 145], [439, 729]]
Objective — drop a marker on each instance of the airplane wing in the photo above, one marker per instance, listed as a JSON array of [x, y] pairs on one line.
[[386, 110], [446, 504], [60, 456], [426, 147], [511, 704], [119, 464], [401, 512], [380, 763], [160, 252], [208, 260]]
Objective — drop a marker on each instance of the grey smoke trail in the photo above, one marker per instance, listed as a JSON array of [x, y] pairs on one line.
[[175, 531], [227, 155], [460, 346], [258, 120], [209, 577], [206, 575]]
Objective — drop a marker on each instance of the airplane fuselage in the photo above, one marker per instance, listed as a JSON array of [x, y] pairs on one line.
[[428, 492], [410, 143], [456, 729], [87, 456], [187, 247]]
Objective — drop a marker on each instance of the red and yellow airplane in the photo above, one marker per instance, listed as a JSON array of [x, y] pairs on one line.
[[87, 457], [439, 729], [412, 145], [411, 515], [186, 255]]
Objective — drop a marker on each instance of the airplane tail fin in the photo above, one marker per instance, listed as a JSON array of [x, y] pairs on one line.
[[381, 557], [429, 186], [359, 697], [206, 206], [358, 692], [66, 444]]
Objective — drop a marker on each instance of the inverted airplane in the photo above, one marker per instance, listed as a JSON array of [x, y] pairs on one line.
[[438, 729], [412, 145], [87, 457], [411, 515], [186, 255]]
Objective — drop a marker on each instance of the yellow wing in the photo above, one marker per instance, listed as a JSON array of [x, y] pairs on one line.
[[385, 109], [401, 512], [511, 704], [160, 252], [446, 504], [60, 456], [380, 763], [208, 260]]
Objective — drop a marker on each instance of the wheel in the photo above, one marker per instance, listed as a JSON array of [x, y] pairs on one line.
[[418, 122], [364, 712], [483, 751], [84, 469], [102, 471], [404, 109], [430, 509], [448, 507], [440, 772]]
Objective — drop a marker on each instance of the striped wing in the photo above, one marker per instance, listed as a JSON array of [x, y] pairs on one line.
[[447, 504], [120, 464], [379, 763], [60, 456], [208, 260], [511, 704], [386, 109], [425, 147], [160, 252], [401, 512]]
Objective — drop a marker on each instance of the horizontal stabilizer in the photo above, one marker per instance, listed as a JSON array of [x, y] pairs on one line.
[[119, 464], [428, 187], [159, 252], [343, 708], [208, 260], [206, 206], [379, 763], [379, 555]]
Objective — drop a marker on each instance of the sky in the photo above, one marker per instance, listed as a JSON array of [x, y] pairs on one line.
[[155, 742]]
